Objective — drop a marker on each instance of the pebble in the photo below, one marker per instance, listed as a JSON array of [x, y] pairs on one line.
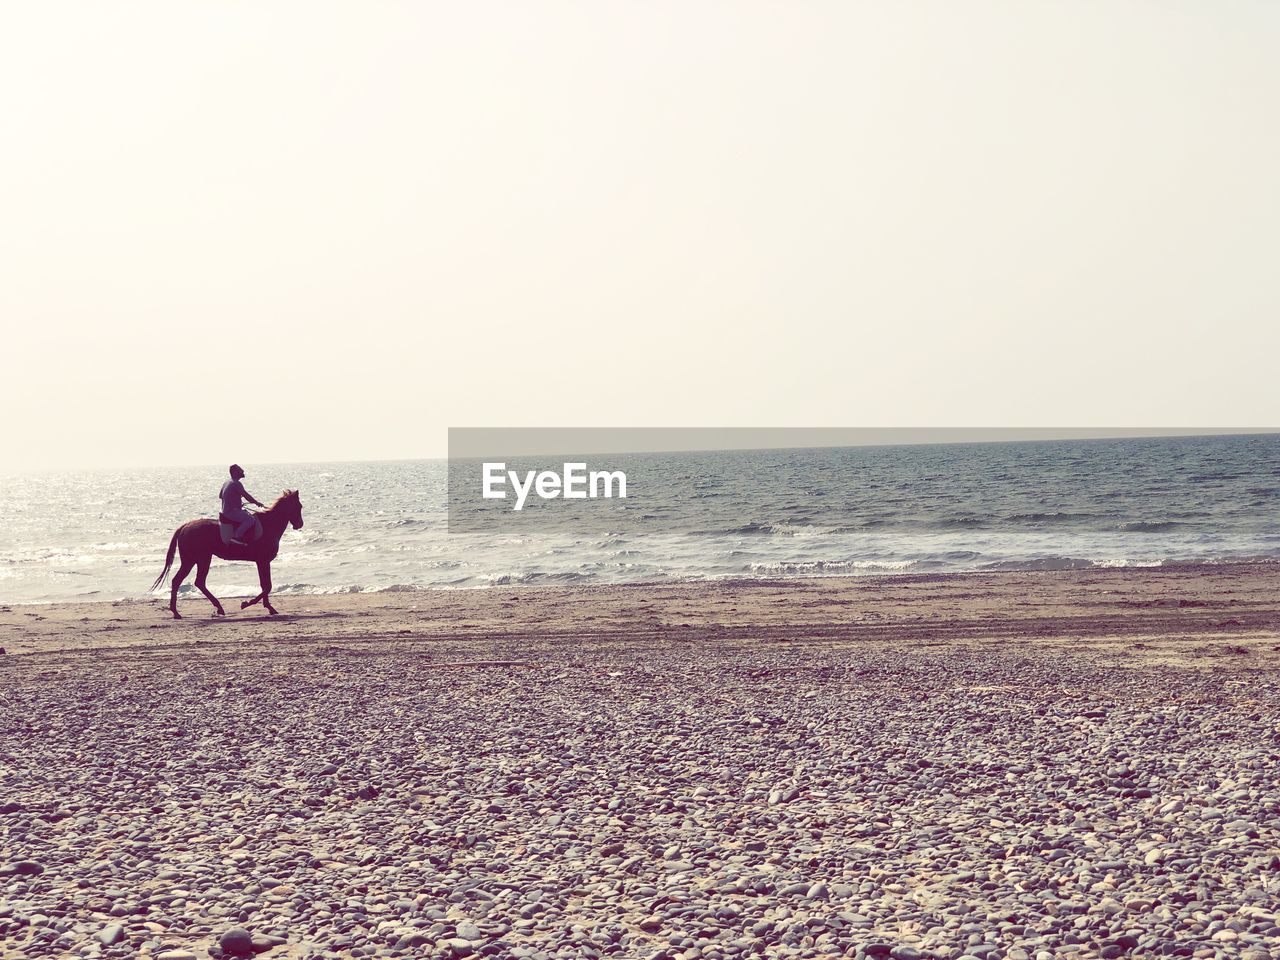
[[237, 942], [111, 934], [26, 868]]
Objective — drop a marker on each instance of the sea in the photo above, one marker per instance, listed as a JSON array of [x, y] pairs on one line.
[[767, 514]]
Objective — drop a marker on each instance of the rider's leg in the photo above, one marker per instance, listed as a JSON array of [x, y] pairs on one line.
[[243, 528]]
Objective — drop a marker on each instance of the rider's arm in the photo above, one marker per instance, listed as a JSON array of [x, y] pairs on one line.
[[250, 497]]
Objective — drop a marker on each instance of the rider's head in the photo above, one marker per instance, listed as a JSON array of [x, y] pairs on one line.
[[236, 472]]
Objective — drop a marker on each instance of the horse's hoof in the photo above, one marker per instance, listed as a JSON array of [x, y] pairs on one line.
[[177, 615], [220, 612], [245, 605], [271, 612]]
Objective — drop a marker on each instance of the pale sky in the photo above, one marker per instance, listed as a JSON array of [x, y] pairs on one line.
[[266, 231]]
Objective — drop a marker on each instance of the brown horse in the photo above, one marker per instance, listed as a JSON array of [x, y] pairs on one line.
[[200, 541]]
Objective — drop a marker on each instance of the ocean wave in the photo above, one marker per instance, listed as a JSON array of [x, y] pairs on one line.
[[778, 529], [967, 522], [1040, 563], [813, 567], [540, 577], [1067, 563], [1048, 518]]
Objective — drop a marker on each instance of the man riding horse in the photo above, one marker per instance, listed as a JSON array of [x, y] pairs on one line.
[[232, 494], [197, 542]]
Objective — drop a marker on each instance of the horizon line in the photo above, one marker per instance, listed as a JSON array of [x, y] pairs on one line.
[[977, 435]]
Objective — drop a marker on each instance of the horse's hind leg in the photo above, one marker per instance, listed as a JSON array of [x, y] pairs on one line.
[[183, 569], [202, 571]]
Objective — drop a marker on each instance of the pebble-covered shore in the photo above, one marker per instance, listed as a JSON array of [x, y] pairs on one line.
[[650, 799]]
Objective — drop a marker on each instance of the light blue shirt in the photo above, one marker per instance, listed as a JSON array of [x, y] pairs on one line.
[[232, 495]]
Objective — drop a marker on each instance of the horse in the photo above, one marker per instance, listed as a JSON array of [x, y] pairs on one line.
[[199, 541]]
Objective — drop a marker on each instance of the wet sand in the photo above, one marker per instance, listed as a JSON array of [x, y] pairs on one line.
[[1191, 615], [1012, 765]]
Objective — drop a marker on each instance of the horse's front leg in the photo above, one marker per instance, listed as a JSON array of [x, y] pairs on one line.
[[264, 578]]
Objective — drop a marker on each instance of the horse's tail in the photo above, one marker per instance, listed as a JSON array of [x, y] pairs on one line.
[[168, 560]]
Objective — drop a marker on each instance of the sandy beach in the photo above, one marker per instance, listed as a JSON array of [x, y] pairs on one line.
[[1033, 764]]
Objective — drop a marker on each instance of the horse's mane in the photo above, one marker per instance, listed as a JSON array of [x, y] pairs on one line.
[[287, 495]]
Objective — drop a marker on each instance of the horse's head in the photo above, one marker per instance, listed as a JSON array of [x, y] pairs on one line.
[[292, 505]]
